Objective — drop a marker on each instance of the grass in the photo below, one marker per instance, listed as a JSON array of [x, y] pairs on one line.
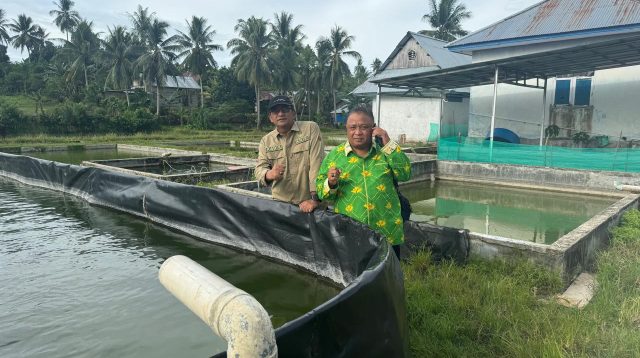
[[499, 309], [170, 137], [26, 104]]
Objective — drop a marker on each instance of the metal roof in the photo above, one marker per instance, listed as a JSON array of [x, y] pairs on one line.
[[180, 82], [554, 20], [596, 56], [368, 87], [434, 47]]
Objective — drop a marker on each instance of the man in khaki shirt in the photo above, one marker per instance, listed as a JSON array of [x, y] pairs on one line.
[[289, 156]]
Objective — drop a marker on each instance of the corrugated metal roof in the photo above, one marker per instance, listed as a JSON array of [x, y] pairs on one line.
[[434, 47], [180, 82], [553, 17], [370, 88], [518, 70], [443, 57]]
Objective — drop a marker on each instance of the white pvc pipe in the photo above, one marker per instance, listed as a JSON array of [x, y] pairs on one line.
[[231, 313], [378, 99]]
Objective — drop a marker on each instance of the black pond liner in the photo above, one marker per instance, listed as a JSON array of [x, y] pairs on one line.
[[366, 319]]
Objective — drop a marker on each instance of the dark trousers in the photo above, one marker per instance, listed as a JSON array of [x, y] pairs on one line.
[[396, 249]]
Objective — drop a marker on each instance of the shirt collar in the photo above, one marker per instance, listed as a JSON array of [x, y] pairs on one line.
[[294, 128], [348, 149]]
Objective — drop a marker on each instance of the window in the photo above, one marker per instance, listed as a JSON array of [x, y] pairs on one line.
[[573, 91], [412, 55], [563, 91], [583, 92]]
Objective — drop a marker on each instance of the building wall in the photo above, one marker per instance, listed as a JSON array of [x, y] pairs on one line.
[[422, 58], [419, 118], [411, 116], [455, 118], [614, 98]]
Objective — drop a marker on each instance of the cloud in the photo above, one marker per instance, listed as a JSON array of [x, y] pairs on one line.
[[377, 25]]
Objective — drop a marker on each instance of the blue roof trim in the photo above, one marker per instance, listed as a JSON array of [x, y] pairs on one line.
[[525, 40]]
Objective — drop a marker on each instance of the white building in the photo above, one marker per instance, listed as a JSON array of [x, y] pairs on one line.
[[419, 115], [599, 103]]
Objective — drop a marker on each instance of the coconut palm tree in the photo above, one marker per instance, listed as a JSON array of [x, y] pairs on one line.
[[142, 20], [252, 50], [340, 43], [25, 33], [306, 64], [288, 41], [65, 18], [82, 49], [119, 53], [197, 49], [4, 35], [360, 72], [375, 65], [321, 69], [157, 61], [445, 18]]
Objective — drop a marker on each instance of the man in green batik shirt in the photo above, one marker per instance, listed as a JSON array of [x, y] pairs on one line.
[[358, 177]]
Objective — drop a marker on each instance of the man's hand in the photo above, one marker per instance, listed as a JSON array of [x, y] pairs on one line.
[[333, 176], [379, 132], [308, 206], [276, 173]]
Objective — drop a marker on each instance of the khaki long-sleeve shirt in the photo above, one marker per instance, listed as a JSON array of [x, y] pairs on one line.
[[301, 152]]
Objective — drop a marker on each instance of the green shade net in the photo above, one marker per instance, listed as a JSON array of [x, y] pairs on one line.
[[469, 149]]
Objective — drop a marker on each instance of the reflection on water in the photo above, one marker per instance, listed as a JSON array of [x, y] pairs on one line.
[[82, 281], [78, 156], [521, 214]]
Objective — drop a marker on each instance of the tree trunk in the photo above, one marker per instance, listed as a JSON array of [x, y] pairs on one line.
[[86, 80], [157, 98], [309, 104], [258, 106], [201, 93], [126, 94], [333, 93]]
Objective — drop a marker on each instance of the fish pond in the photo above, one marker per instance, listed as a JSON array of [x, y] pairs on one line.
[[521, 214], [79, 280]]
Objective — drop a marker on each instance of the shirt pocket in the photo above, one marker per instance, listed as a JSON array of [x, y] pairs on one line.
[[298, 158], [276, 158]]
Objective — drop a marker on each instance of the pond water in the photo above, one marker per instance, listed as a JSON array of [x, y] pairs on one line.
[[78, 156], [521, 214], [79, 280]]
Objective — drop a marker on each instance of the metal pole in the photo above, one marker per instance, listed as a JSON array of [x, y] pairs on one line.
[[378, 98], [544, 110], [493, 113]]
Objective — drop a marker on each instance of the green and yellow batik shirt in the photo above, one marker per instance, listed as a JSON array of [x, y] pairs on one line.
[[365, 191]]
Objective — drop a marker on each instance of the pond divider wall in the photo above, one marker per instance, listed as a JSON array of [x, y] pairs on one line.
[[232, 173], [574, 252], [367, 318]]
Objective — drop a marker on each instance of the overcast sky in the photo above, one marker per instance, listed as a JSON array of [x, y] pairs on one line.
[[377, 25]]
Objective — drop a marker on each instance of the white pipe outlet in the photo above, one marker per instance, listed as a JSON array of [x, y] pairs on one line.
[[231, 313]]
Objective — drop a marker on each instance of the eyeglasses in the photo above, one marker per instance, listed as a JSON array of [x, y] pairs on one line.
[[283, 109], [362, 127]]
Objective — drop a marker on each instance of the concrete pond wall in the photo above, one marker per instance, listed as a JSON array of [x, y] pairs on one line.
[[574, 252]]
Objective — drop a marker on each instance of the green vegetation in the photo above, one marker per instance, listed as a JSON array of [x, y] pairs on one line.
[[507, 310]]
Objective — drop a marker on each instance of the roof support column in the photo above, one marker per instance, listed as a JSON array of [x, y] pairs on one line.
[[544, 110], [378, 98], [493, 113]]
